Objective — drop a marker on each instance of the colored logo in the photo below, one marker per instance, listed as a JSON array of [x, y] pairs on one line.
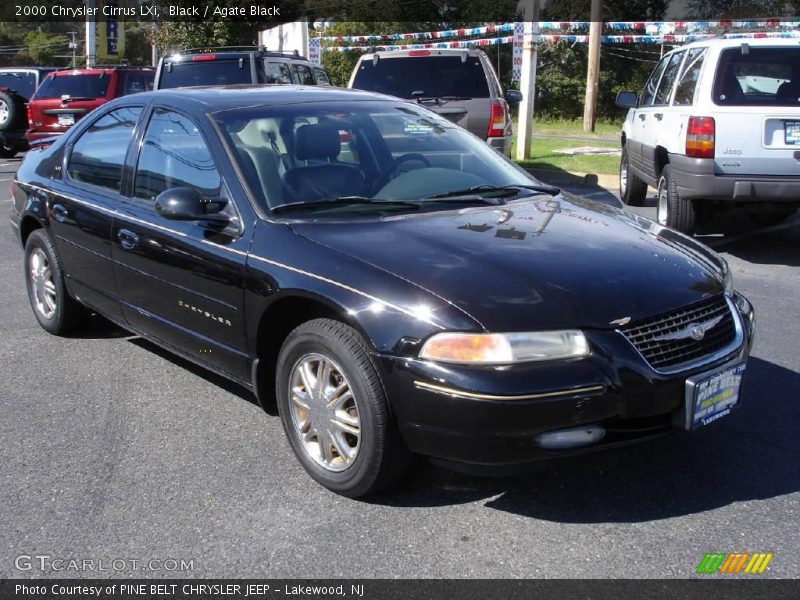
[[738, 562]]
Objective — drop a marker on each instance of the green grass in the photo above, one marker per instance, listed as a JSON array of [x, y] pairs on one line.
[[602, 130], [544, 157]]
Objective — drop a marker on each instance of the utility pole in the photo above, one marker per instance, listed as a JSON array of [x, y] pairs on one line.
[[527, 84], [74, 47], [91, 32], [593, 69]]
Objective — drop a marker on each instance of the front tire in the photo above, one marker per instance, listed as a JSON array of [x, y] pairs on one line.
[[672, 210], [55, 310], [334, 410], [632, 190]]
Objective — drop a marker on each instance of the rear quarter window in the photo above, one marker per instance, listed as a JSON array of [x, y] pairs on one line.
[[423, 76], [205, 72], [74, 86], [22, 83]]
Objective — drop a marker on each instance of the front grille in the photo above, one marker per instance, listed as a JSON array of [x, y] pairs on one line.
[[666, 354]]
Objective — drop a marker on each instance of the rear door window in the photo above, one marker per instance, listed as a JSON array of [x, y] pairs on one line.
[[74, 86], [687, 84], [98, 157], [304, 74], [759, 77], [668, 79], [423, 77], [194, 71]]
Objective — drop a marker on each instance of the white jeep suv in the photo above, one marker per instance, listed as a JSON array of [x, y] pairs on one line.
[[717, 124]]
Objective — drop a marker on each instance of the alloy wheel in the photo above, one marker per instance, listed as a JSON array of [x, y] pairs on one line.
[[324, 412], [623, 177], [42, 284], [3, 112]]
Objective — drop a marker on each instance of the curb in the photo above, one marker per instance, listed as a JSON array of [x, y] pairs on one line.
[[555, 177]]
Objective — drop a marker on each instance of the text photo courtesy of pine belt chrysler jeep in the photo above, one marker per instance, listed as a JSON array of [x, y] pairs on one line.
[[717, 125]]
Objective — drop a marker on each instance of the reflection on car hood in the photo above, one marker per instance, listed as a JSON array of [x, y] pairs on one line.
[[534, 264]]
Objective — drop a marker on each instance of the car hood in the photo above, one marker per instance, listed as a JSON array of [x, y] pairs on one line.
[[534, 264]]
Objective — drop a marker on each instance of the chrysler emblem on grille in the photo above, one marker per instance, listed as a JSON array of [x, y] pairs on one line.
[[696, 331]]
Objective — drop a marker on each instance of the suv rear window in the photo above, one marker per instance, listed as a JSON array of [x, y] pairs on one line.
[[761, 77], [426, 77], [74, 86], [205, 72], [22, 83]]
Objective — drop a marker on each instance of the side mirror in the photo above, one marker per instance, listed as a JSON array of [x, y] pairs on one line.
[[187, 204], [513, 96], [627, 99]]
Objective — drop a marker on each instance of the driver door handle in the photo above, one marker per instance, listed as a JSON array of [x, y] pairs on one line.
[[127, 239], [659, 116], [642, 116]]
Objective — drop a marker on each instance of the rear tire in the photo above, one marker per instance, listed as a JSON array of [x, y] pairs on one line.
[[632, 190], [7, 151], [334, 410], [672, 210], [53, 307]]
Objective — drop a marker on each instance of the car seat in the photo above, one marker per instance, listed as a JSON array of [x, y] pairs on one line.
[[325, 181]]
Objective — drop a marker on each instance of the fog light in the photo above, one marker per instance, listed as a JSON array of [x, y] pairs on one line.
[[570, 438]]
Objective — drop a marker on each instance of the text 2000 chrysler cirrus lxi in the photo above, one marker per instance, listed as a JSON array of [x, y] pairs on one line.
[[393, 284]]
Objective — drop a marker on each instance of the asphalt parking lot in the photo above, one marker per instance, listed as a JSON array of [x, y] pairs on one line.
[[112, 449]]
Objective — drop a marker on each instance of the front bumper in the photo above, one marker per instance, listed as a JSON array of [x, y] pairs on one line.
[[492, 415], [696, 179]]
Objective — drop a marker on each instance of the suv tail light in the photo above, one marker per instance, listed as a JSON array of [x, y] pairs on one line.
[[497, 121], [700, 137], [30, 116]]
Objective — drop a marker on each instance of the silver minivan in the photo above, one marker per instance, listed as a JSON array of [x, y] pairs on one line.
[[459, 84]]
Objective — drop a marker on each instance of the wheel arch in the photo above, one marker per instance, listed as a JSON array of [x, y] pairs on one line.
[[28, 225], [661, 158], [279, 318]]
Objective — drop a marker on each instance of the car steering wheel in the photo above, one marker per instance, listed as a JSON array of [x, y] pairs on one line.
[[384, 176]]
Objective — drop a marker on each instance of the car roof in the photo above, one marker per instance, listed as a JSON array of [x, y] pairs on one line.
[[233, 54], [40, 69], [420, 53], [218, 98], [98, 70], [737, 42]]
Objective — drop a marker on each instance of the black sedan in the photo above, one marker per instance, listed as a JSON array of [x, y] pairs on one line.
[[393, 284]]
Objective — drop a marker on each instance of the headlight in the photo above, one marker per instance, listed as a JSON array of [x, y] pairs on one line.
[[728, 280], [504, 348]]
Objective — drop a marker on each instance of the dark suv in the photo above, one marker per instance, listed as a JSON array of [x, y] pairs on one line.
[[64, 97], [195, 68], [17, 85]]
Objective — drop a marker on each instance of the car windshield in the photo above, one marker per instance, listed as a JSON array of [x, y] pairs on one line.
[[74, 86], [758, 77], [22, 83], [365, 156], [205, 72], [423, 77]]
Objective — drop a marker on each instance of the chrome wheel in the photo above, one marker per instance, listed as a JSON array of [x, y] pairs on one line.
[[623, 177], [3, 112], [42, 284], [324, 412], [663, 206]]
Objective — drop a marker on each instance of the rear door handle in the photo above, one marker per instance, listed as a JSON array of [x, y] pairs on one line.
[[127, 239], [60, 212], [642, 116], [659, 116]]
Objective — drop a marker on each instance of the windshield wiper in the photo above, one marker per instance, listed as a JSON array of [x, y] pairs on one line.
[[341, 201], [502, 191]]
